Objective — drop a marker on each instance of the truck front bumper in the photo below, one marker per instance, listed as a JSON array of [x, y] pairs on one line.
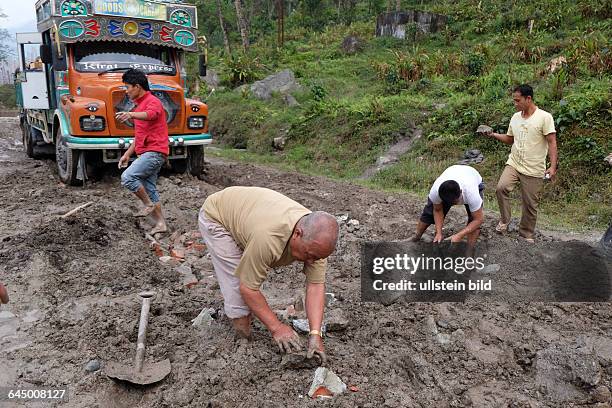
[[97, 143]]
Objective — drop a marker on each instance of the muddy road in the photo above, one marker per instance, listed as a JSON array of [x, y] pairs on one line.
[[73, 283]]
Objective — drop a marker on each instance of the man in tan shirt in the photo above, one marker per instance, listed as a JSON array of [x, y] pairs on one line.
[[249, 230], [532, 136]]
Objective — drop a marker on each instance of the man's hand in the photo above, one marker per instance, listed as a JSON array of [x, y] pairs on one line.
[[456, 238], [438, 238], [286, 339], [123, 162], [552, 171], [123, 116], [315, 346]]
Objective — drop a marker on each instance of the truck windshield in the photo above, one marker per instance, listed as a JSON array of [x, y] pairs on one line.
[[99, 57]]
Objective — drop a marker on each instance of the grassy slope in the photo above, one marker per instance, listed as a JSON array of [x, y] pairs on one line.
[[353, 107]]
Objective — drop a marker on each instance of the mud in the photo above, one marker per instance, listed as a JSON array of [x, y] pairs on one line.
[[74, 282]]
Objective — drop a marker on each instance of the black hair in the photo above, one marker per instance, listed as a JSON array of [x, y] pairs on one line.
[[449, 191], [136, 77], [525, 90]]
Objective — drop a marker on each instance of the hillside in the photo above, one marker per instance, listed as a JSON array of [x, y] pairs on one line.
[[352, 107]]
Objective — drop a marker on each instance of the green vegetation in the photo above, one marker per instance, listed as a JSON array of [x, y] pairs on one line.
[[353, 107], [7, 96]]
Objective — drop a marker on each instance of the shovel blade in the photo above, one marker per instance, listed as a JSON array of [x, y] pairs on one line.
[[150, 374]]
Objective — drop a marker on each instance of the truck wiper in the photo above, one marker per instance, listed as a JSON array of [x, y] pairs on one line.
[[113, 70]]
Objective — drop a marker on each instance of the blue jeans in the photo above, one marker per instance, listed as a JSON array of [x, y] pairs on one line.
[[143, 172]]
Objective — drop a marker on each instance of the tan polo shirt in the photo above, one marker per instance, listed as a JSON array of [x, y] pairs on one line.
[[530, 147], [261, 221]]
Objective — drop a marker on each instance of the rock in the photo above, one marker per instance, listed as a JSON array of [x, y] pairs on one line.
[[294, 361], [473, 156], [354, 223], [397, 23], [601, 394], [484, 129], [212, 79], [282, 82], [205, 318], [491, 268], [92, 365], [556, 64], [342, 218], [351, 44], [326, 383], [330, 299], [187, 277], [290, 101], [335, 320], [169, 260], [299, 304], [279, 142], [563, 370], [390, 200], [608, 159], [302, 325]]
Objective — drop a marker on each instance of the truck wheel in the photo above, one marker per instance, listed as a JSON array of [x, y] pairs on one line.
[[195, 157], [179, 165], [67, 161], [26, 137]]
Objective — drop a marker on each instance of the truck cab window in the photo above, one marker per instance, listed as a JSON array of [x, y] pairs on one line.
[[99, 57]]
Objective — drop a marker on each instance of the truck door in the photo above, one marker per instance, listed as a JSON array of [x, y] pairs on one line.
[[34, 78]]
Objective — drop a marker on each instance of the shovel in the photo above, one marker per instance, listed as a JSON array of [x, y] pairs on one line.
[[152, 373]]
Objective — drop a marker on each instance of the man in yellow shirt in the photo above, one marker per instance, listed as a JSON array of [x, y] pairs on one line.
[[532, 136], [249, 230]]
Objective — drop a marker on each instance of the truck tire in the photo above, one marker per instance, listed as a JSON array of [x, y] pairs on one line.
[[67, 160], [26, 137], [179, 166], [195, 157]]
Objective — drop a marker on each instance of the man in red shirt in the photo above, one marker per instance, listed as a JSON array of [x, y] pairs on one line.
[[150, 145]]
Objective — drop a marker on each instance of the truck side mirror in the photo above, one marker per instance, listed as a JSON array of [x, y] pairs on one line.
[[45, 54], [202, 65], [59, 62]]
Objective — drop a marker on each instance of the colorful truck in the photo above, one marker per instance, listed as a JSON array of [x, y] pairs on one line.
[[69, 85]]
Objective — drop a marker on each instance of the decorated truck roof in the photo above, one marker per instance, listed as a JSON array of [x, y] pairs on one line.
[[165, 23]]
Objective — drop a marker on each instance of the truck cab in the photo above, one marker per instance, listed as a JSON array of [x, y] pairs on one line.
[[70, 87]]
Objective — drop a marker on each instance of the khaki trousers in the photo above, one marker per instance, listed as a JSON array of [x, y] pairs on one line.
[[530, 196], [225, 255]]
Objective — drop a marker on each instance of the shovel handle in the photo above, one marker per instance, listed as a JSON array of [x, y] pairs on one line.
[[142, 332]]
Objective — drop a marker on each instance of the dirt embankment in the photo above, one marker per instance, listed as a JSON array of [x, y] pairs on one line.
[[73, 283]]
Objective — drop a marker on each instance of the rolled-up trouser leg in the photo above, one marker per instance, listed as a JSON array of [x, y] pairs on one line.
[[225, 255]]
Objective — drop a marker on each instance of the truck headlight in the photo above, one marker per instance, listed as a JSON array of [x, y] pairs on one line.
[[92, 123], [196, 122]]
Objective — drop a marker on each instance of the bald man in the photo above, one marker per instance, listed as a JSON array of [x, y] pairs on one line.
[[249, 230]]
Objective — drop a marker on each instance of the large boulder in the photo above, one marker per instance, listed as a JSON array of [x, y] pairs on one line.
[[282, 82], [397, 23], [212, 79], [352, 44]]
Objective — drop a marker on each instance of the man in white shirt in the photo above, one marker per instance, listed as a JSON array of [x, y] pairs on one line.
[[532, 135], [456, 185]]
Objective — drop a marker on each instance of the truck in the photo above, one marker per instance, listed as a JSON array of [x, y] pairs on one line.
[[69, 81]]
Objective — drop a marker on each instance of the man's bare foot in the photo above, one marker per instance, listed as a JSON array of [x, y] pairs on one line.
[[242, 325], [159, 228], [4, 297], [145, 212]]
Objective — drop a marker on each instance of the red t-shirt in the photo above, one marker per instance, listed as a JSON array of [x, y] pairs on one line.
[[150, 135]]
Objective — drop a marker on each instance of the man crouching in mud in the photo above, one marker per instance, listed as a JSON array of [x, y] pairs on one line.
[[251, 229], [150, 145]]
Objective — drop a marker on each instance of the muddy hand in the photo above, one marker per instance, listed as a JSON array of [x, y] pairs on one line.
[[315, 347], [286, 339], [123, 116]]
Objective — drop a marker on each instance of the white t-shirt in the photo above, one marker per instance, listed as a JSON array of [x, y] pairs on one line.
[[468, 179]]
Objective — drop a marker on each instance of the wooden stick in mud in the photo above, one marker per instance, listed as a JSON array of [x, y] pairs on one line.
[[80, 207]]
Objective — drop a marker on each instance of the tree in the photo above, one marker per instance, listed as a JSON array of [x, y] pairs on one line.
[[226, 43], [5, 50], [242, 25]]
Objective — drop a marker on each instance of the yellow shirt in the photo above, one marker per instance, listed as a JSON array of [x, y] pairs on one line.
[[261, 221], [528, 154]]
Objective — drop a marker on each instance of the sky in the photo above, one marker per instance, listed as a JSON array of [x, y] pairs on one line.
[[21, 16]]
